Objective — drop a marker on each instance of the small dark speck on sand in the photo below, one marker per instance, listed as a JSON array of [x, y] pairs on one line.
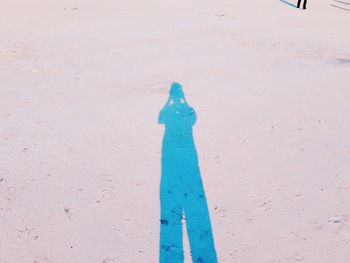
[[164, 221], [338, 219], [1, 180]]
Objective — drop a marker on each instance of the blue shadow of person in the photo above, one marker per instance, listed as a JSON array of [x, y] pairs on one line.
[[181, 189]]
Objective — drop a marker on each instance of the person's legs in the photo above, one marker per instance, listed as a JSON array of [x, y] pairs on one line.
[[304, 4], [298, 4], [199, 227], [170, 247]]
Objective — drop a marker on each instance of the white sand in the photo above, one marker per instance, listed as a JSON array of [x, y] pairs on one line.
[[81, 86]]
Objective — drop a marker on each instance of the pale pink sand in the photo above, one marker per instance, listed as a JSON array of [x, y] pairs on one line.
[[81, 86]]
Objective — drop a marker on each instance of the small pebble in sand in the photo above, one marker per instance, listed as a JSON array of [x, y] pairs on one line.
[[68, 212]]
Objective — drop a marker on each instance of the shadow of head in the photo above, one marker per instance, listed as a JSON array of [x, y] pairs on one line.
[[176, 93], [177, 115]]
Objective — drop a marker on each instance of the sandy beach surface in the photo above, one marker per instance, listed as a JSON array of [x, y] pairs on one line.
[[81, 87]]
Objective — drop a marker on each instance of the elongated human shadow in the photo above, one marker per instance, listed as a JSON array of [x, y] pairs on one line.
[[181, 190]]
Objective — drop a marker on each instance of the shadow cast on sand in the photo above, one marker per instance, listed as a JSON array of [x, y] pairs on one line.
[[339, 7], [182, 195], [342, 2], [285, 2]]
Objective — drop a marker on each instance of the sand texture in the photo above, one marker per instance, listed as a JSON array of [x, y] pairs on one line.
[[82, 84]]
